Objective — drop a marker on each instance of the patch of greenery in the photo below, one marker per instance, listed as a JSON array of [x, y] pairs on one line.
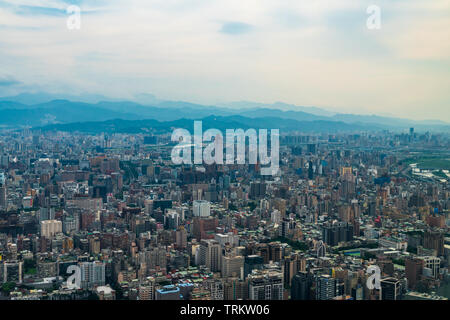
[[440, 174], [31, 271], [7, 287], [412, 250], [429, 162], [400, 262], [29, 266], [371, 245], [296, 245]]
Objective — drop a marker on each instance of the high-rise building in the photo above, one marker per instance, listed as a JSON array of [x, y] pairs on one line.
[[92, 274], [301, 286], [265, 286], [413, 270], [251, 263], [147, 290], [433, 264], [204, 228], [216, 289], [257, 190], [201, 208], [434, 240], [210, 254], [171, 219], [390, 289], [232, 266], [46, 214], [50, 227], [325, 287], [181, 238], [235, 289], [338, 232], [3, 197]]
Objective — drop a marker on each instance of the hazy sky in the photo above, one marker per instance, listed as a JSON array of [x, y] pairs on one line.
[[304, 52]]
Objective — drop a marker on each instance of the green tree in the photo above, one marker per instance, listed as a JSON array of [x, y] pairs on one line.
[[7, 287]]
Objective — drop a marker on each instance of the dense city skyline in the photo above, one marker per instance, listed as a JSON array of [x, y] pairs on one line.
[[238, 158]]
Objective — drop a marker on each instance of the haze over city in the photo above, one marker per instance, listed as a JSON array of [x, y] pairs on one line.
[[307, 53]]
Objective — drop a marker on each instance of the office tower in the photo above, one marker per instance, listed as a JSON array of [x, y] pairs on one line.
[[265, 286], [92, 274], [201, 208], [301, 286], [169, 292], [210, 254], [50, 227], [325, 287], [413, 270], [390, 289]]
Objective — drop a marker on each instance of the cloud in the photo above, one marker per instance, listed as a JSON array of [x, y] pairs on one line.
[[35, 10], [235, 28], [7, 81], [303, 52]]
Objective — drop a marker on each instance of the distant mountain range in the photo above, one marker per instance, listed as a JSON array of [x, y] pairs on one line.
[[35, 110], [217, 122]]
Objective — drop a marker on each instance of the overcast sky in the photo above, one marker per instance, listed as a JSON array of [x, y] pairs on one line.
[[304, 52]]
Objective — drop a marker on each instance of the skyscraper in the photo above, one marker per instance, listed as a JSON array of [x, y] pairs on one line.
[[210, 254], [201, 208], [301, 286], [390, 289], [266, 286], [325, 287], [92, 274]]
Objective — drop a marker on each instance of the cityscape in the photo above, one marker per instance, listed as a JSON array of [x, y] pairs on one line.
[[202, 152], [109, 216]]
